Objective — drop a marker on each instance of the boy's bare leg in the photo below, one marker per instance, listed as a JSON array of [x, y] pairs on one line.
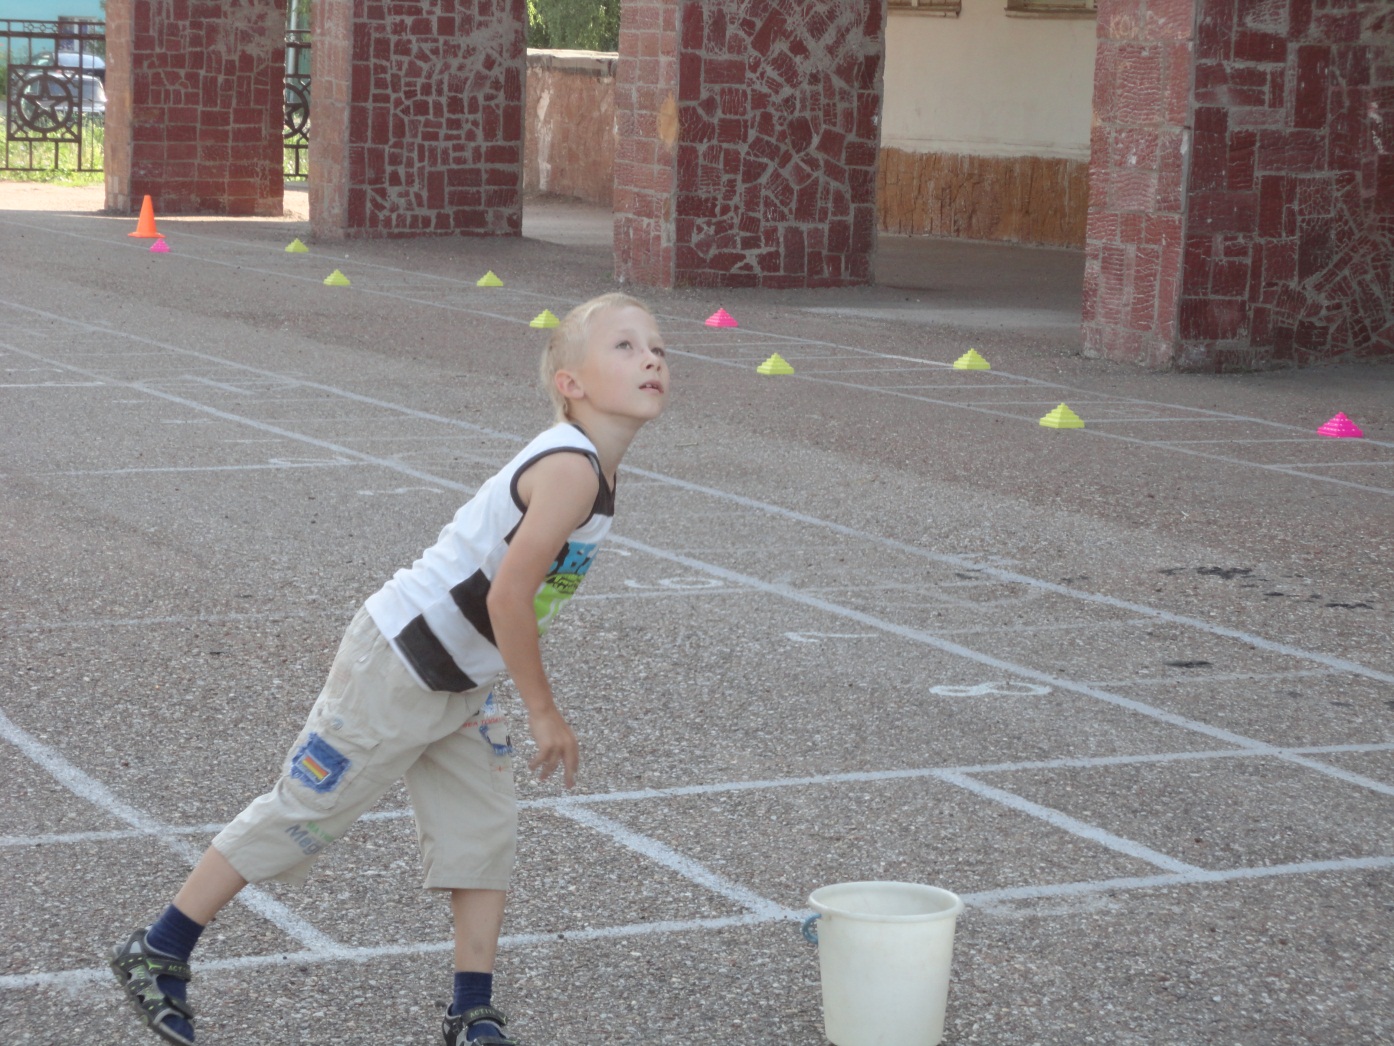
[[209, 887], [478, 918]]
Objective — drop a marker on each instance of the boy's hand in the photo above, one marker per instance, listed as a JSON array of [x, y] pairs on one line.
[[555, 744]]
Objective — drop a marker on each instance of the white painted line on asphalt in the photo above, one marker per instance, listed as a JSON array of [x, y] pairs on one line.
[[719, 787], [1206, 678], [1241, 439], [57, 385], [969, 563], [1067, 823], [88, 788], [214, 384], [1000, 664], [795, 595], [1311, 763], [1345, 865], [1172, 445], [1056, 626], [75, 980], [275, 466], [665, 856], [146, 622], [1332, 464], [70, 980], [951, 385]]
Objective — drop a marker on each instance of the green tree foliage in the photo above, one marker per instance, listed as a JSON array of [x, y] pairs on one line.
[[586, 25]]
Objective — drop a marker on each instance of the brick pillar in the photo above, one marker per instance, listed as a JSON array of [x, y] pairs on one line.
[[194, 106], [417, 125], [748, 134], [1133, 254], [646, 136], [1241, 182]]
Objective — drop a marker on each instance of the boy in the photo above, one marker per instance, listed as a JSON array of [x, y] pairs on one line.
[[409, 691]]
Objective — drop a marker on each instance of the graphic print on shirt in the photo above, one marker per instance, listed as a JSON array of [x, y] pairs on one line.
[[563, 578]]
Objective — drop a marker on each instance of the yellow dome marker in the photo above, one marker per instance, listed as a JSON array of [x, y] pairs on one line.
[[489, 280], [336, 279], [1062, 417], [296, 247], [544, 320], [776, 364], [971, 360]]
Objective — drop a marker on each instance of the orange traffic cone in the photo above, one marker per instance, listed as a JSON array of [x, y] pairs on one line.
[[145, 228]]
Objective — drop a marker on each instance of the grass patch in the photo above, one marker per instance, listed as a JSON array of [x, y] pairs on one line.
[[57, 163]]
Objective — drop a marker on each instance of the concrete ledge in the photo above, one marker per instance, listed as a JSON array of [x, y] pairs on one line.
[[585, 63]]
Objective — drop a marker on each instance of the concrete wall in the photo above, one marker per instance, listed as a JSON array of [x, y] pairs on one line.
[[569, 140], [986, 124]]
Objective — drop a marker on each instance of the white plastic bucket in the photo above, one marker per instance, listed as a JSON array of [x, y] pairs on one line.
[[884, 950]]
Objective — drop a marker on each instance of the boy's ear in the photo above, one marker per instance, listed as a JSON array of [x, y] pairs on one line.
[[568, 385]]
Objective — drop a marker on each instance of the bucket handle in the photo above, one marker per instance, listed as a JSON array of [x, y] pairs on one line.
[[810, 932]]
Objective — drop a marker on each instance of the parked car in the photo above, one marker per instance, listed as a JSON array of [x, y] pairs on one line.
[[82, 61], [48, 100]]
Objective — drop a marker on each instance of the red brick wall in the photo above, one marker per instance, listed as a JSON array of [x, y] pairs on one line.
[[569, 136], [195, 99], [418, 114], [1272, 240], [748, 137], [1290, 224]]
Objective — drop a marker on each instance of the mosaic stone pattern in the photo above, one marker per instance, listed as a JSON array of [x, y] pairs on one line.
[[194, 106], [418, 117], [1289, 249], [747, 142], [1272, 242]]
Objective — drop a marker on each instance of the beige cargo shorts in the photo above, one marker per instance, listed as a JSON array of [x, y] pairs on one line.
[[373, 725]]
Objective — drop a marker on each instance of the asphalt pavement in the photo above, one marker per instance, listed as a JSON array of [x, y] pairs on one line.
[[1127, 689]]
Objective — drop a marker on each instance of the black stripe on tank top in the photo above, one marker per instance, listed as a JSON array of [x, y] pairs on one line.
[[430, 659], [472, 597]]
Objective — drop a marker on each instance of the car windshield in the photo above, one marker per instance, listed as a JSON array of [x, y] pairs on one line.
[[73, 59]]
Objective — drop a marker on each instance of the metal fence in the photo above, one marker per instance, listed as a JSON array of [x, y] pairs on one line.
[[55, 96]]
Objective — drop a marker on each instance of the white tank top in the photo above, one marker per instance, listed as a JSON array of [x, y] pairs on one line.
[[435, 612]]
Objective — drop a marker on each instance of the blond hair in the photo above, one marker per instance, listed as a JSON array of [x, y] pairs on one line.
[[568, 342]]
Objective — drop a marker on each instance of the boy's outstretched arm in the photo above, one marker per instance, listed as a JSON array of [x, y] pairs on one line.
[[559, 492]]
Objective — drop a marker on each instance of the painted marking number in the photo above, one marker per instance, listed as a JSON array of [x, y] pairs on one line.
[[999, 689]]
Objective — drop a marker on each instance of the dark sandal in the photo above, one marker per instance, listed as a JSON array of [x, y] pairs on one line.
[[136, 966], [456, 1027]]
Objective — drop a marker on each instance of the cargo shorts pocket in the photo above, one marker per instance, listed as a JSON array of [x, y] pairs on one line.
[[323, 765]]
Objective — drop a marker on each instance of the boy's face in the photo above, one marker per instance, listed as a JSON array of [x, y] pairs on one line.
[[624, 371]]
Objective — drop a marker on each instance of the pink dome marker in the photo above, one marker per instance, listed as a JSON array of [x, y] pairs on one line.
[[1341, 427], [721, 318], [160, 247]]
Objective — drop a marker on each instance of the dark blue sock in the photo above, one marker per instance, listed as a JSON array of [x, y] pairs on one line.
[[174, 934], [474, 989]]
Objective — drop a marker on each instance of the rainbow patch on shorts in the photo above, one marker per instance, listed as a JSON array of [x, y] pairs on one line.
[[318, 764]]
